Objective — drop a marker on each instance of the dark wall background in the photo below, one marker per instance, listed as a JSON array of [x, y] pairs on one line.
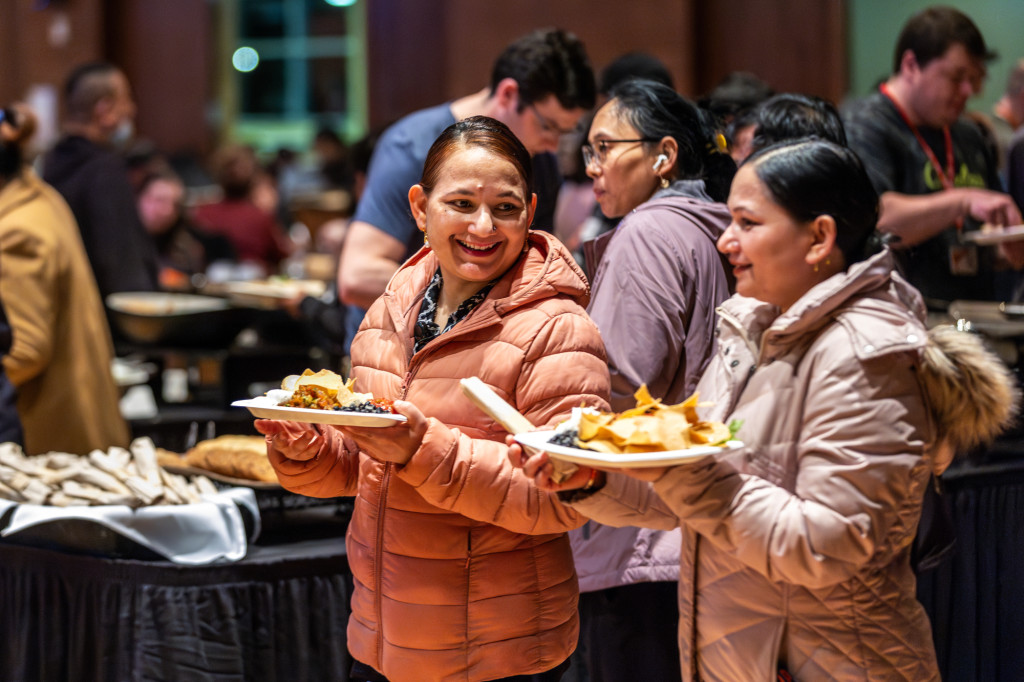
[[421, 52]]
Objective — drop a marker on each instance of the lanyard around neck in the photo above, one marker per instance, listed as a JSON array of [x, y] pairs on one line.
[[949, 174]]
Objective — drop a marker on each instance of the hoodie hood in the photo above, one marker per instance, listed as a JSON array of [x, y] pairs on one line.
[[68, 157]]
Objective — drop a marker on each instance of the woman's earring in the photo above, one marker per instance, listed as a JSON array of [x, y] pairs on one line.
[[815, 267], [664, 182]]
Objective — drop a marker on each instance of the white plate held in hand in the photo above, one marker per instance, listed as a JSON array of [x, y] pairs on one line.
[[635, 460]]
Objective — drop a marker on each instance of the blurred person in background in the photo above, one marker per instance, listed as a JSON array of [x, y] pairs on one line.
[[732, 102], [790, 116], [10, 422], [86, 166], [659, 165], [255, 234], [578, 218], [184, 250], [540, 87], [60, 359], [932, 167]]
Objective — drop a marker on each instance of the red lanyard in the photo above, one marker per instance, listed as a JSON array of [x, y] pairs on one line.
[[950, 173]]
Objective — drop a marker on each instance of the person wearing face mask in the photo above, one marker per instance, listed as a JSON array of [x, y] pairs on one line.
[[656, 164], [85, 166], [462, 568], [60, 353], [797, 545]]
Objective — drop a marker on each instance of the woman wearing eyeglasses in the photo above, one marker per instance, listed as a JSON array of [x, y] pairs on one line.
[[655, 162]]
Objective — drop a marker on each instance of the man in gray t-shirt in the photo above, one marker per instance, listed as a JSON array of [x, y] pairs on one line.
[[541, 85]]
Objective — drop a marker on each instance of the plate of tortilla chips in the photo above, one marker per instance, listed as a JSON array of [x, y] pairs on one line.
[[649, 435], [321, 398]]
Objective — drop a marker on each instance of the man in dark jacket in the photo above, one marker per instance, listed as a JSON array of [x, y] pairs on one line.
[[87, 170]]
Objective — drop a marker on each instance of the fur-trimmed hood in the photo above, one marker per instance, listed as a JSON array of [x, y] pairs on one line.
[[972, 394]]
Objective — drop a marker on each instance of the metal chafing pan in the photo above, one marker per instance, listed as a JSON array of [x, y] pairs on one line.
[[159, 318]]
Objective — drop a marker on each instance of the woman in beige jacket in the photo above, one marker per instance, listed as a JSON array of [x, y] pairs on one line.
[[462, 568], [60, 357], [796, 550]]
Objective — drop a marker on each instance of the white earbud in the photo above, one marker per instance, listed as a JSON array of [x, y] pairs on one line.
[[660, 160]]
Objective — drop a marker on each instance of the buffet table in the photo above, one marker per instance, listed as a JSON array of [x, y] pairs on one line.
[[976, 598], [278, 614]]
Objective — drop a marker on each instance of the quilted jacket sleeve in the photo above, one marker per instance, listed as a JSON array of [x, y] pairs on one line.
[[564, 368], [861, 469], [333, 473]]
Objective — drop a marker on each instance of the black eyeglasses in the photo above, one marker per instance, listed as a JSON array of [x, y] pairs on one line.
[[548, 125], [600, 155]]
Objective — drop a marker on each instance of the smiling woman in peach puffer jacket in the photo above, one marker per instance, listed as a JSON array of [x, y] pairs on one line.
[[462, 566]]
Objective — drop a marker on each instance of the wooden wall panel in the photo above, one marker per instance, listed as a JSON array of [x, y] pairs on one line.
[[422, 52], [794, 45], [167, 51], [406, 42]]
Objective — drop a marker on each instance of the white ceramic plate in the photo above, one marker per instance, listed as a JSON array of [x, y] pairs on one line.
[[267, 408], [995, 236], [637, 460]]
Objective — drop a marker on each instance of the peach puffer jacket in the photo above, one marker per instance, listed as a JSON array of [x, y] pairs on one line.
[[796, 547], [462, 567]]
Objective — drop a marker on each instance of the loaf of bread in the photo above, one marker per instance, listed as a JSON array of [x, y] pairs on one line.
[[237, 456]]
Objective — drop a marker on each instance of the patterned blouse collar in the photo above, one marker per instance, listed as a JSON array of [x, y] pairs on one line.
[[426, 330]]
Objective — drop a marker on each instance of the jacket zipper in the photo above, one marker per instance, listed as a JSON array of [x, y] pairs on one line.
[[378, 558]]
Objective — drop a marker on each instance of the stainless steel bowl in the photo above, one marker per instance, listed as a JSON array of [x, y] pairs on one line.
[[160, 318]]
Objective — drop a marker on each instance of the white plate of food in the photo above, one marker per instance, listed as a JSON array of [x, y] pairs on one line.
[[266, 407], [634, 460], [989, 235]]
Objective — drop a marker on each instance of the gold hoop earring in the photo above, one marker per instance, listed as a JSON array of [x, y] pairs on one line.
[[815, 267]]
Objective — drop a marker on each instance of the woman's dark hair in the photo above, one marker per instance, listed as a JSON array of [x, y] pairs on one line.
[[810, 178], [658, 111], [477, 131], [792, 116]]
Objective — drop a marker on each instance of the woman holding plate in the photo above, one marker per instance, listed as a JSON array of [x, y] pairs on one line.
[[797, 546], [462, 566]]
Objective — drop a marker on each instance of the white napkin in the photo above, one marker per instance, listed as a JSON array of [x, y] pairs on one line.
[[193, 534]]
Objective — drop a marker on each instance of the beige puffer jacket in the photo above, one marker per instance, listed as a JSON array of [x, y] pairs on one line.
[[462, 567], [796, 548]]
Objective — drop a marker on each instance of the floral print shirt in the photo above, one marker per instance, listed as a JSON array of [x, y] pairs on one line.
[[426, 330]]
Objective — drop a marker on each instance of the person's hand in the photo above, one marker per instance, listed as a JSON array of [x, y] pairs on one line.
[[395, 443], [994, 208], [296, 441], [538, 466]]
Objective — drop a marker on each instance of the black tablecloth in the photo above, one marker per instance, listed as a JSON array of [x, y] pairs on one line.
[[976, 598], [280, 614]]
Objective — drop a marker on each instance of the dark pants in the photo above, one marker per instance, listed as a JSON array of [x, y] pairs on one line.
[[364, 673], [629, 633]]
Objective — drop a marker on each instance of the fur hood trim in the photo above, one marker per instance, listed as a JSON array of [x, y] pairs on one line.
[[973, 395]]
